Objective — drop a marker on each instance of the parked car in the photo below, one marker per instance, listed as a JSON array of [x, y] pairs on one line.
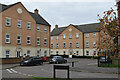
[[105, 60], [32, 61], [57, 59], [44, 58]]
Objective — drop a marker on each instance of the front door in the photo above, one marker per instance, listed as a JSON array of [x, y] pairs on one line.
[[18, 54]]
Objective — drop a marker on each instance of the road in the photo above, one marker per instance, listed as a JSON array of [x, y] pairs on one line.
[[84, 68]]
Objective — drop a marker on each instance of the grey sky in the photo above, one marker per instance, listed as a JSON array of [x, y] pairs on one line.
[[64, 12]]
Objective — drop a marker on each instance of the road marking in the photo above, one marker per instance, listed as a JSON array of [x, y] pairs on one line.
[[9, 71], [13, 70]]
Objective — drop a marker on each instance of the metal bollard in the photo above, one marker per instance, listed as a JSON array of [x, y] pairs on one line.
[[72, 64]]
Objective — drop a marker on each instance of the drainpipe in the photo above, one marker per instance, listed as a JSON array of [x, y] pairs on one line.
[[83, 45]]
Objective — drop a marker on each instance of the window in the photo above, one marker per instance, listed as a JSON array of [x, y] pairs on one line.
[[64, 52], [7, 53], [77, 35], [38, 41], [94, 53], [28, 40], [70, 36], [57, 52], [19, 24], [18, 39], [7, 38], [51, 38], [94, 44], [28, 25], [94, 34], [45, 29], [38, 53], [57, 45], [38, 28], [77, 52], [63, 45], [51, 45], [87, 53], [87, 44], [87, 35], [51, 51], [28, 53], [56, 37], [45, 42], [45, 53], [70, 45], [63, 36], [77, 45], [8, 22]]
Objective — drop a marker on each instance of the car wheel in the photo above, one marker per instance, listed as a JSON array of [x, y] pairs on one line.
[[65, 61], [41, 63]]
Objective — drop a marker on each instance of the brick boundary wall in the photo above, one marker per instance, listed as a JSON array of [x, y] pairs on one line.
[[10, 60]]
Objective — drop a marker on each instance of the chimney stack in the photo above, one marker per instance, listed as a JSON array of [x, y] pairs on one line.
[[56, 26], [36, 11]]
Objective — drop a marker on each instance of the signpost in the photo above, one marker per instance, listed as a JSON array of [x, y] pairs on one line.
[[60, 67]]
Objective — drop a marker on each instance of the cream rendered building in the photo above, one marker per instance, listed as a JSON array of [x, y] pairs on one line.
[[23, 33]]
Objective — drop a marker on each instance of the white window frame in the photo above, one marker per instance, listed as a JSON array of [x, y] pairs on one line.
[[87, 43], [70, 45], [64, 45], [7, 55], [64, 36], [45, 42], [94, 44], [7, 39], [57, 45], [28, 25], [29, 40], [51, 45], [57, 37], [45, 29], [87, 35], [19, 40], [19, 25], [94, 34], [77, 35], [51, 37], [38, 41], [38, 28], [28, 52], [77, 45], [70, 36], [8, 23]]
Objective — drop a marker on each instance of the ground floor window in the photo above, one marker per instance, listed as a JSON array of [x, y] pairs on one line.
[[87, 53], [77, 52], [28, 53], [57, 52], [38, 53], [64, 52], [45, 53], [7, 53], [94, 53]]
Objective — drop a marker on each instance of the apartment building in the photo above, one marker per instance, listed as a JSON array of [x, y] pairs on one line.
[[79, 40], [23, 33]]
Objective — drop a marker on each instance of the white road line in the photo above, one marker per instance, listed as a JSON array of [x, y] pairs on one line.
[[29, 75], [9, 71], [13, 70]]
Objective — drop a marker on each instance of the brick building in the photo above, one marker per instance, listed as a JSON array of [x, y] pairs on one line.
[[23, 33], [79, 40]]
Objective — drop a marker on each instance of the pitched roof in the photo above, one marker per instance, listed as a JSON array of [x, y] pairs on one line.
[[86, 28], [39, 19], [57, 31], [36, 17]]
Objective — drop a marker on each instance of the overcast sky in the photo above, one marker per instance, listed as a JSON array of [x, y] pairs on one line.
[[65, 12]]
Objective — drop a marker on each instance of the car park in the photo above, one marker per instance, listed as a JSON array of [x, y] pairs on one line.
[[105, 59], [32, 61], [57, 59]]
